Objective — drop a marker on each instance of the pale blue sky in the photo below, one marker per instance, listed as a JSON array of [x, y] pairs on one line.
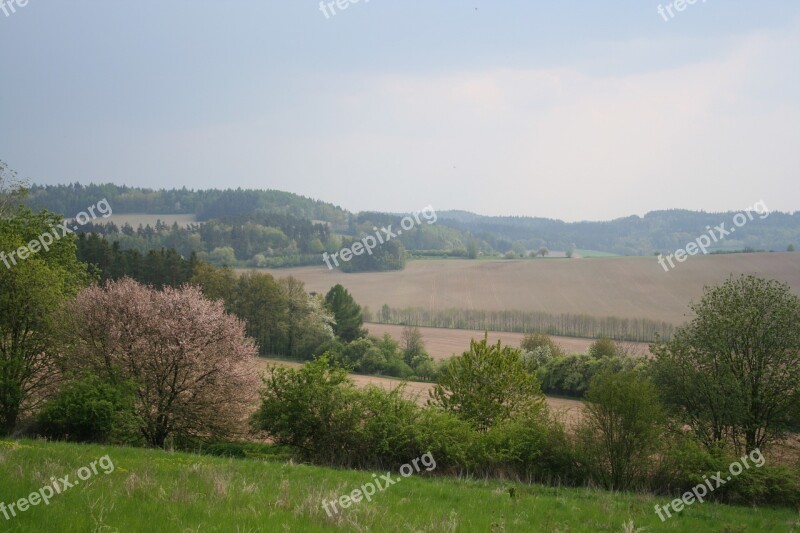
[[573, 110]]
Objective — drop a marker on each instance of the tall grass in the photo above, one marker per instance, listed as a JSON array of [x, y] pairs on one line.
[[152, 490]]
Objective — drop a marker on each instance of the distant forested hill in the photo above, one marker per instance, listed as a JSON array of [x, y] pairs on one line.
[[204, 204], [657, 231], [266, 228]]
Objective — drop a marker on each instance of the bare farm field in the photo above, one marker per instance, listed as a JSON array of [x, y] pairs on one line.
[[443, 342], [136, 219], [626, 287]]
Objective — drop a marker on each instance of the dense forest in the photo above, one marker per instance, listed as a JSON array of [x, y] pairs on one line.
[[204, 204]]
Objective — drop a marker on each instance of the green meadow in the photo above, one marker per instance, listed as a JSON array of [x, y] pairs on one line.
[[153, 490]]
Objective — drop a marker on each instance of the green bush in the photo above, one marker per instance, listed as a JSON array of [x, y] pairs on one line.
[[317, 412], [603, 347], [90, 410], [452, 441], [621, 429], [226, 449], [376, 356], [530, 446], [570, 375], [685, 461], [537, 341], [397, 368], [387, 427], [314, 409], [487, 384], [767, 485]]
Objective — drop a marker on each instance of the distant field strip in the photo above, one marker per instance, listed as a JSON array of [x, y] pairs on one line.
[[444, 342], [136, 219], [627, 287], [565, 325]]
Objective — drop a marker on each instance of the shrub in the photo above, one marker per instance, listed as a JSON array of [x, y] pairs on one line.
[[621, 429], [226, 449], [683, 461], [90, 410], [533, 341], [452, 441], [313, 409], [397, 368], [486, 385], [387, 427], [530, 446], [686, 460], [603, 347], [768, 485], [568, 375], [571, 375]]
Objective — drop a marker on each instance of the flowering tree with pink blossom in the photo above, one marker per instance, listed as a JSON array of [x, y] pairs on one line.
[[192, 364]]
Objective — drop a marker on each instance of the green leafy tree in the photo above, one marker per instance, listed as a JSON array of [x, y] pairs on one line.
[[472, 250], [603, 347], [261, 303], [12, 191], [621, 428], [346, 312], [216, 283], [487, 384], [536, 341], [733, 373], [30, 289], [413, 347], [308, 322]]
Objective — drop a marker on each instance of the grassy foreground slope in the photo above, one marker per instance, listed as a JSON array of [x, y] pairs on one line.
[[152, 490]]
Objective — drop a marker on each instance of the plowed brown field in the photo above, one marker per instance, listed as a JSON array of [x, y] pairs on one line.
[[627, 287], [442, 342]]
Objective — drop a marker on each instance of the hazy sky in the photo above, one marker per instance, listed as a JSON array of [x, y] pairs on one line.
[[565, 109]]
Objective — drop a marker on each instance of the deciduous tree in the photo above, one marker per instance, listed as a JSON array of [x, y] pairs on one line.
[[31, 288], [486, 385], [621, 428], [733, 373], [191, 363]]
